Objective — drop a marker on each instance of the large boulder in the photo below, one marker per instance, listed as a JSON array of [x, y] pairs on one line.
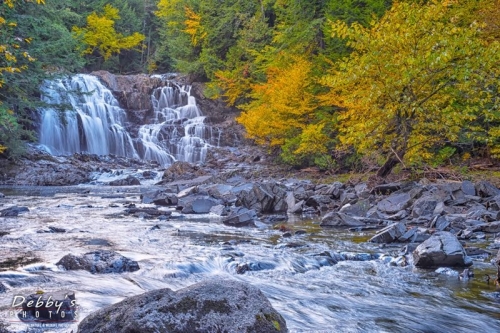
[[211, 306], [263, 197], [100, 262], [441, 249]]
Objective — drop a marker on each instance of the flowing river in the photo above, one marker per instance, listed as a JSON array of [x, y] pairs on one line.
[[363, 294]]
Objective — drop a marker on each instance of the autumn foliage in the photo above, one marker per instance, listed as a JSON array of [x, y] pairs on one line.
[[100, 35]]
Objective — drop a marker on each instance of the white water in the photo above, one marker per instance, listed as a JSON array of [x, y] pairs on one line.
[[351, 296], [96, 124]]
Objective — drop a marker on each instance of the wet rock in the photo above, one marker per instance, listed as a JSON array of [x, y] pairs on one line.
[[99, 262], [149, 211], [497, 259], [486, 189], [43, 306], [263, 197], [242, 268], [335, 219], [390, 233], [130, 180], [294, 207], [441, 249], [240, 217], [198, 204], [212, 306], [13, 211], [220, 210], [2, 195], [394, 203], [287, 235], [300, 232], [3, 289]]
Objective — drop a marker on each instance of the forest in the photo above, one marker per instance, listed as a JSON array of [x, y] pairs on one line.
[[337, 84]]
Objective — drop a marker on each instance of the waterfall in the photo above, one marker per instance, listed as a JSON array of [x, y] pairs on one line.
[[177, 126], [96, 124]]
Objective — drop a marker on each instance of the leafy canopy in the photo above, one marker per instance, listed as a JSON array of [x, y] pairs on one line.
[[100, 35], [414, 80]]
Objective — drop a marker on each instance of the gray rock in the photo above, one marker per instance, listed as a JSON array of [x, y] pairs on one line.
[[424, 207], [486, 189], [335, 219], [390, 233], [212, 306], [394, 203], [100, 262], [165, 199], [408, 235], [130, 180], [263, 197], [334, 190], [441, 249], [13, 211], [360, 208], [468, 188], [494, 203], [440, 223], [492, 227], [240, 217], [198, 204]]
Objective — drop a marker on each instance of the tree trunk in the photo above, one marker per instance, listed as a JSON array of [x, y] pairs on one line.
[[391, 162]]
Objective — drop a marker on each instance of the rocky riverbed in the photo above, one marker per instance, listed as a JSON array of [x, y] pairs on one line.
[[396, 257]]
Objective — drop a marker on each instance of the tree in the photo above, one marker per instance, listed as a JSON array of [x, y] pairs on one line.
[[282, 112], [414, 81], [100, 35], [13, 60]]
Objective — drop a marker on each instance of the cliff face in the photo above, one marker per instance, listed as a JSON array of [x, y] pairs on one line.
[[134, 95]]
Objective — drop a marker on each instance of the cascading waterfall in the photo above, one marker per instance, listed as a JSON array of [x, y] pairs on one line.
[[96, 123], [178, 127]]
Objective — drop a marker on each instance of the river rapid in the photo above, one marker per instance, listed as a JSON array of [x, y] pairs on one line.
[[312, 294]]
